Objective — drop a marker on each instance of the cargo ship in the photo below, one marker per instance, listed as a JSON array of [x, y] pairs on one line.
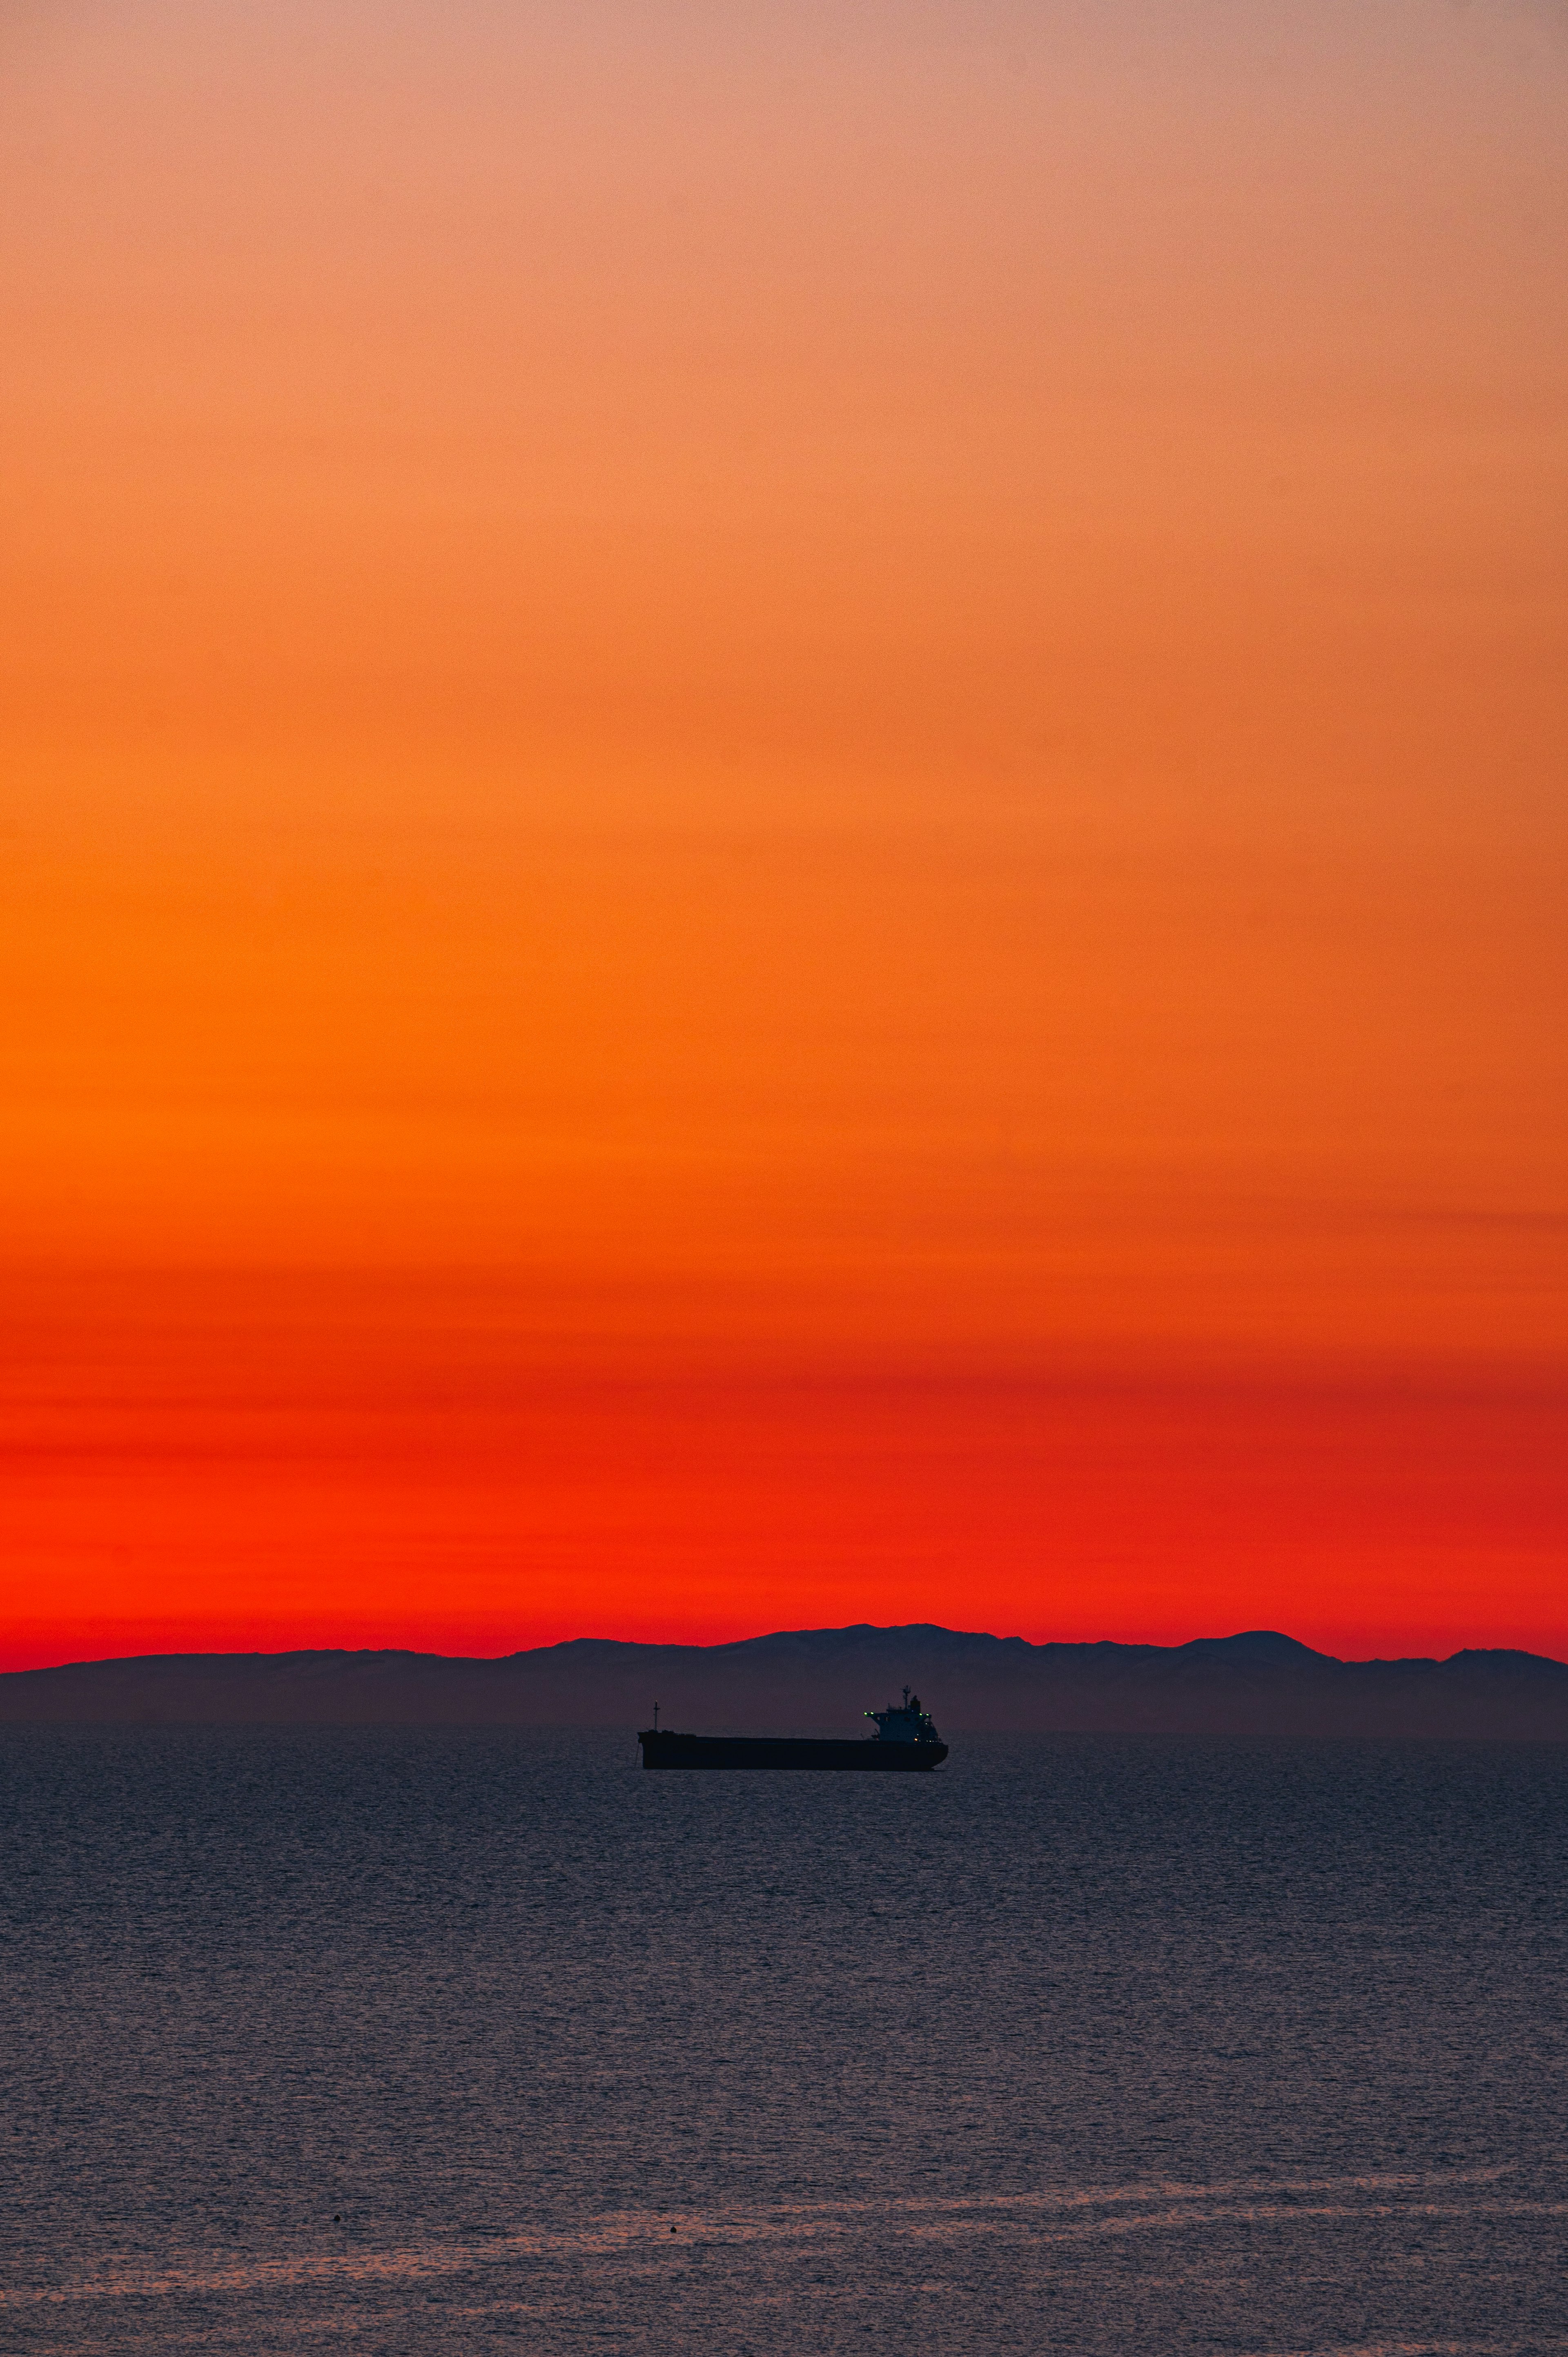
[[905, 1738]]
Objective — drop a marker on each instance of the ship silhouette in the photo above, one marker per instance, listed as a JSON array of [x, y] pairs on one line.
[[906, 1739]]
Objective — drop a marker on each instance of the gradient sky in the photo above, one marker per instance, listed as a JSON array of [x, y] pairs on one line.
[[784, 820]]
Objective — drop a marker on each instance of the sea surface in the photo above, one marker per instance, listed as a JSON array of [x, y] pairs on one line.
[[453, 2042]]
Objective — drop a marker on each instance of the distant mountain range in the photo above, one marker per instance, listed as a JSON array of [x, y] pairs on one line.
[[820, 1681]]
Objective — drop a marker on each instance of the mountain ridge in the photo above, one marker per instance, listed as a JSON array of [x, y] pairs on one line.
[[1255, 1682]]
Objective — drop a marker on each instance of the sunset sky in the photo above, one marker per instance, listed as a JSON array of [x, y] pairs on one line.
[[784, 820]]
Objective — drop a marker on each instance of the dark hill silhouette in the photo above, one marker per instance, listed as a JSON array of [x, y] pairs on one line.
[[819, 1681]]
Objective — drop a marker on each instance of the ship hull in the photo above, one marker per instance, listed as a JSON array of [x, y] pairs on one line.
[[662, 1749]]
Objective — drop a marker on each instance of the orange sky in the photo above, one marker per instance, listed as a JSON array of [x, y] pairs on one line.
[[783, 831]]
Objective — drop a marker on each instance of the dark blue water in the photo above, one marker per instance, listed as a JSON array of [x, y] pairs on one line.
[[427, 2042]]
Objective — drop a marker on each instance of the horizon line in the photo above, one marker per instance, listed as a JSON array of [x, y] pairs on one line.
[[846, 1628]]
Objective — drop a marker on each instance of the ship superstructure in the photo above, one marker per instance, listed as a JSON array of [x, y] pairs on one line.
[[904, 1722]]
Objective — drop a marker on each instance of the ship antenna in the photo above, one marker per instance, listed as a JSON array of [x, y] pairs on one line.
[[656, 1718]]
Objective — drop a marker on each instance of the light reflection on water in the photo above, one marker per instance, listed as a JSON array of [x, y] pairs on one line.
[[584, 2059], [954, 2220]]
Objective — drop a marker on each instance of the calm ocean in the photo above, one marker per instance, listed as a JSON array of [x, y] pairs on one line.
[[447, 2042]]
